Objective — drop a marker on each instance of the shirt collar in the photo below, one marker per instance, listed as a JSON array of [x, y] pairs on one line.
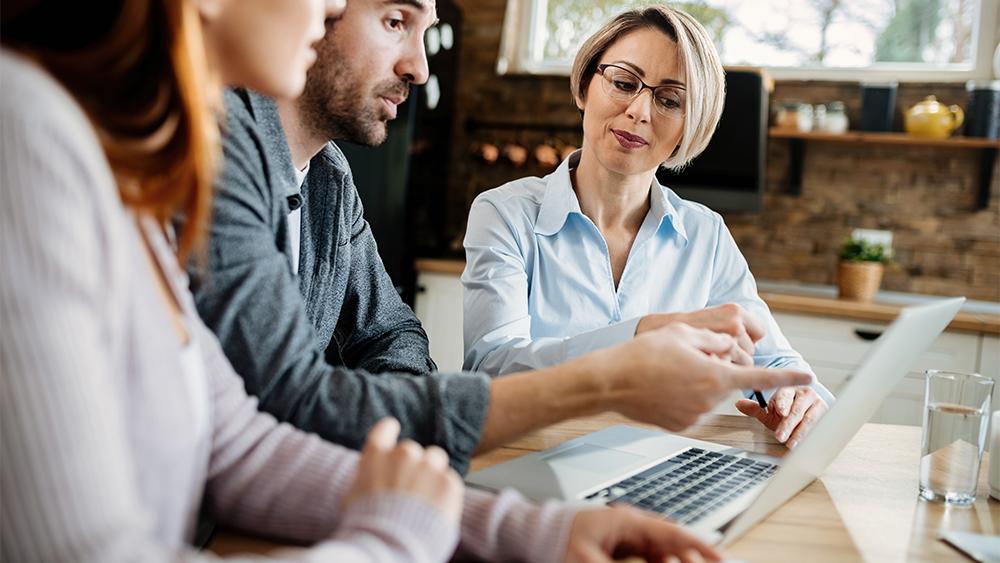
[[662, 209], [560, 201], [265, 113]]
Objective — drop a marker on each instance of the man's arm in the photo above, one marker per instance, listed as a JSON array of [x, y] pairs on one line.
[[669, 377], [248, 296]]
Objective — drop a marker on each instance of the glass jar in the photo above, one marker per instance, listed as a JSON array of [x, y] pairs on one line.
[[804, 118], [836, 118], [819, 117], [786, 115]]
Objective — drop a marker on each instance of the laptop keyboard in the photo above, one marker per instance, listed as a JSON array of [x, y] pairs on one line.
[[691, 485]]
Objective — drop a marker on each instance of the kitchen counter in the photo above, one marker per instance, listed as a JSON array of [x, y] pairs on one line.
[[790, 297]]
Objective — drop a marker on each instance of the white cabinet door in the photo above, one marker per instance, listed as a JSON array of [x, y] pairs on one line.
[[835, 348], [989, 365], [989, 360], [439, 307]]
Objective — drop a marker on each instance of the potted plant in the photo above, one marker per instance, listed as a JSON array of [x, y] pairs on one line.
[[859, 273]]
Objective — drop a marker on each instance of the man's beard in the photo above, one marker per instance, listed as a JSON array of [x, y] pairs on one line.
[[334, 104]]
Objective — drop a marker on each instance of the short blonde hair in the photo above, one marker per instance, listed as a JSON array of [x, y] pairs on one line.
[[706, 85]]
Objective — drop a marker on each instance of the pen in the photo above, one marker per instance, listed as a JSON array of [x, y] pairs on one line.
[[760, 399]]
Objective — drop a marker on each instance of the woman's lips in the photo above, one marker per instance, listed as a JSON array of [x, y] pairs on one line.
[[629, 140]]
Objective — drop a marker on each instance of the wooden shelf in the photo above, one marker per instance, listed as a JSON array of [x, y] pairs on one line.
[[987, 148], [886, 139]]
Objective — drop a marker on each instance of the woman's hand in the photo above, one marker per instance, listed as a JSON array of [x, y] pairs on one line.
[[791, 413], [406, 468], [673, 375], [603, 535]]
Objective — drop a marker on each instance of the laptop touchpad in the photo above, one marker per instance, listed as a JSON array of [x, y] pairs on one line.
[[596, 459]]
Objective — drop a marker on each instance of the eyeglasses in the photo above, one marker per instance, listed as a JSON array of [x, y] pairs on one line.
[[624, 85]]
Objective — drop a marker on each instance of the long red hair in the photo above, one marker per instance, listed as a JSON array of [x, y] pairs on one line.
[[139, 70]]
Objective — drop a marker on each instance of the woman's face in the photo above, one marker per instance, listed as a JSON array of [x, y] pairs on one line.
[[633, 135], [266, 45]]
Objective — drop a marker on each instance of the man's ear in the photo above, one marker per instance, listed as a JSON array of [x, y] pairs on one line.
[[209, 10]]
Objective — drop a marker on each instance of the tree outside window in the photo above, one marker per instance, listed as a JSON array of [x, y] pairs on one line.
[[798, 33]]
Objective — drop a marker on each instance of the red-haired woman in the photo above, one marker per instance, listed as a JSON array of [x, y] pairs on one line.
[[121, 416]]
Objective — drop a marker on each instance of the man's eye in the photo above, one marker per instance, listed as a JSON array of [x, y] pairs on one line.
[[396, 24]]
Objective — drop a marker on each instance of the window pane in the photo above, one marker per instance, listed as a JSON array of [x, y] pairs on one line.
[[798, 33]]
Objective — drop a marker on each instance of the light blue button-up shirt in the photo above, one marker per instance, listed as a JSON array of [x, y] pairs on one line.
[[539, 288]]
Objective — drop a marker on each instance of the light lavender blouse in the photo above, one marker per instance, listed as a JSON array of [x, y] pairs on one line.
[[110, 443]]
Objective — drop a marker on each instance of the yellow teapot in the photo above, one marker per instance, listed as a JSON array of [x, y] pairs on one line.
[[932, 119]]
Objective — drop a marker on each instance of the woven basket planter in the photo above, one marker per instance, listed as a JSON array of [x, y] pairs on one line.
[[859, 281]]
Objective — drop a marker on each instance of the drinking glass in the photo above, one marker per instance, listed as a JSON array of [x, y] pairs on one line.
[[956, 416]]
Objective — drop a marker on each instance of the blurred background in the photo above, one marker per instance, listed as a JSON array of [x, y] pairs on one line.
[[498, 108]]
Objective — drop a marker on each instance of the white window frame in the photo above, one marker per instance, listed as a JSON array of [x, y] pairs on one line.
[[522, 47]]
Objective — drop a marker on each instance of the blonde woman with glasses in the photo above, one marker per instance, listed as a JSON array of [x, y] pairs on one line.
[[599, 251]]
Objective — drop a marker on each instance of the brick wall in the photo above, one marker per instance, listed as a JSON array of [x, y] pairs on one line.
[[925, 195]]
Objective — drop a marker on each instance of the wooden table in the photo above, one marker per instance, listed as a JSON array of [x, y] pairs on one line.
[[863, 508]]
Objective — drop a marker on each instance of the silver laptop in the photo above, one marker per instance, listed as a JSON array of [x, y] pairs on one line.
[[718, 491]]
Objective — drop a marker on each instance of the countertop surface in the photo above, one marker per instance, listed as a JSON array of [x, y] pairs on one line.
[[815, 299]]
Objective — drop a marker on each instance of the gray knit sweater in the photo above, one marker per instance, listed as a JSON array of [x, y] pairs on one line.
[[331, 347], [107, 446]]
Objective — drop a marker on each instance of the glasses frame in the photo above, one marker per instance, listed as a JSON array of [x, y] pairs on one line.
[[652, 89]]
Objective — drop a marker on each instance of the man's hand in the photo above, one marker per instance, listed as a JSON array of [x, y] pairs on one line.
[[673, 375], [791, 413], [603, 535], [729, 319]]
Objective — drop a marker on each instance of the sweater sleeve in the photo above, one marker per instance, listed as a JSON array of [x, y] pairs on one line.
[[269, 478], [250, 299], [67, 474], [68, 494]]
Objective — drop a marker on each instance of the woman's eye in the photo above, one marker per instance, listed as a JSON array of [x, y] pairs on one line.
[[668, 103], [625, 85]]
